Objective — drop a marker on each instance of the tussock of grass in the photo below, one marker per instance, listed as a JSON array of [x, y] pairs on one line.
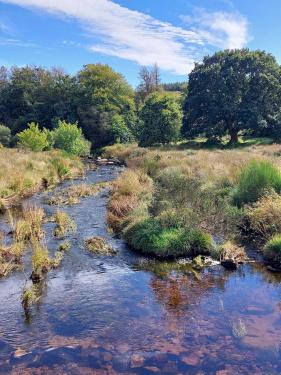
[[150, 238], [255, 180], [64, 246], [272, 251], [40, 258], [73, 193], [64, 224], [263, 219], [29, 225], [98, 245]]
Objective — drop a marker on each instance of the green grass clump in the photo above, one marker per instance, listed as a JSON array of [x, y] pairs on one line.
[[255, 179], [64, 224], [272, 251], [150, 238]]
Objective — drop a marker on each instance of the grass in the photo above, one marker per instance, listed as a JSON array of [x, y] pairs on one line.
[[64, 224], [29, 225], [22, 173], [98, 245], [255, 180], [172, 201], [73, 193], [272, 251], [150, 238]]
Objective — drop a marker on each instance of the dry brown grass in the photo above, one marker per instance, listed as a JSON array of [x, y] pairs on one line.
[[131, 190], [23, 173]]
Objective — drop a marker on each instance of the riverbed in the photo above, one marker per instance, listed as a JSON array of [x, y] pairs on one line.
[[118, 315]]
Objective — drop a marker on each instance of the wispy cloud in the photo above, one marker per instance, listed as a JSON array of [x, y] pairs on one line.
[[139, 37]]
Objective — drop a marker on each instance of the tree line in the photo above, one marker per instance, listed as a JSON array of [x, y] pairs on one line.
[[228, 93]]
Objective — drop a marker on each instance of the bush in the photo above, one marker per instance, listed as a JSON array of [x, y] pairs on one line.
[[272, 251], [33, 138], [69, 137], [150, 238], [264, 218], [5, 135], [254, 180]]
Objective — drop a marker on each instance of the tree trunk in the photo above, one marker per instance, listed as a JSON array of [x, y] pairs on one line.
[[233, 137]]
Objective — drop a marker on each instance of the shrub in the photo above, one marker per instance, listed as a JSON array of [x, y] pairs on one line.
[[69, 137], [272, 251], [5, 135], [264, 218], [33, 138], [255, 179], [150, 238]]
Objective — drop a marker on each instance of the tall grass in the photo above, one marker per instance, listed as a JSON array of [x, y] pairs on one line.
[[22, 173], [255, 179]]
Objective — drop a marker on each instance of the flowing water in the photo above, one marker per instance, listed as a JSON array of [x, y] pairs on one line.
[[119, 315]]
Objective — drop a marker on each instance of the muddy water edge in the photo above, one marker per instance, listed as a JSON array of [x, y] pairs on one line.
[[126, 314]]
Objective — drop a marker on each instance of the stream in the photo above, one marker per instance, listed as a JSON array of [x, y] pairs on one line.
[[118, 315]]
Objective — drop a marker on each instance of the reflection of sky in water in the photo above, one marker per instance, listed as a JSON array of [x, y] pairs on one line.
[[100, 313]]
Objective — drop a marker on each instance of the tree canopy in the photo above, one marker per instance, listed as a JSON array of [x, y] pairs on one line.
[[160, 119], [233, 90]]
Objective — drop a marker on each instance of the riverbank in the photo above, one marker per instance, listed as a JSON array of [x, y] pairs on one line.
[[23, 173], [171, 203]]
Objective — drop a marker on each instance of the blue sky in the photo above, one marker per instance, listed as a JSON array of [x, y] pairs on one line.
[[128, 33]]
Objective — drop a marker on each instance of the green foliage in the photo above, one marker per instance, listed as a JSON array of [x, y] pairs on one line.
[[120, 131], [233, 90], [160, 119], [105, 93], [5, 135], [255, 180], [149, 237], [272, 250], [69, 137], [33, 138]]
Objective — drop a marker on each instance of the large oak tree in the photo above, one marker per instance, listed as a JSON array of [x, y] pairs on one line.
[[233, 90]]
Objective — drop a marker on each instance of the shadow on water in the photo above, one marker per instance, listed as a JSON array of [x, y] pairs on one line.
[[129, 315]]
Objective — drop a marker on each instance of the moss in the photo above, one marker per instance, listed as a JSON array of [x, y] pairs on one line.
[[150, 238]]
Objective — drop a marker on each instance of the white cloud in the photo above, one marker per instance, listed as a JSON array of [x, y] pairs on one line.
[[141, 38]]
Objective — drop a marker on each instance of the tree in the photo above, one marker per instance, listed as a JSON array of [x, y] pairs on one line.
[[232, 90], [160, 119], [105, 93], [120, 131], [150, 81], [5, 135], [33, 138], [69, 137]]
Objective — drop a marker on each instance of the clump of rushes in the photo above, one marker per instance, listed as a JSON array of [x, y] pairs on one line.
[[29, 297], [10, 257], [29, 225], [255, 180], [64, 246], [263, 219], [41, 261], [73, 193], [272, 251], [150, 238], [98, 245], [64, 224]]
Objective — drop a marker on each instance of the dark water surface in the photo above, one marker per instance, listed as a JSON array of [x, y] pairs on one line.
[[107, 315]]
